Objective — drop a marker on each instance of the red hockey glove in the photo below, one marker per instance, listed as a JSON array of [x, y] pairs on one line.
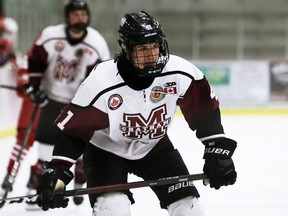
[[54, 179], [219, 166], [22, 79]]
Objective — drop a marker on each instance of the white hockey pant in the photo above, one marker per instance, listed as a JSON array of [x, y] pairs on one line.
[[188, 206], [118, 204], [112, 204]]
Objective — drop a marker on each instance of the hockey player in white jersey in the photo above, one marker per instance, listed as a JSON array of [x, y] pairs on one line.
[[61, 57], [9, 57], [119, 119]]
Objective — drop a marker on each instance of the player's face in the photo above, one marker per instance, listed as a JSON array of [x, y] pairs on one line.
[[145, 55], [78, 16]]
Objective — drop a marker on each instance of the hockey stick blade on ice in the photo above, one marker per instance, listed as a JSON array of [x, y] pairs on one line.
[[110, 188]]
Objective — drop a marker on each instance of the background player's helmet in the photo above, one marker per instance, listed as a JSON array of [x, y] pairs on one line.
[[72, 5], [75, 5], [11, 25], [142, 28]]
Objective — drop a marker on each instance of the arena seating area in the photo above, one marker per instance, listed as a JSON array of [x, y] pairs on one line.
[[196, 29]]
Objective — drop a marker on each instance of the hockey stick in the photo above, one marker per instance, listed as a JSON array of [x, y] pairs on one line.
[[11, 87], [16, 165], [181, 181]]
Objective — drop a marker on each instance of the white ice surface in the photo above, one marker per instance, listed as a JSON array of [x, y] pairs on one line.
[[260, 159]]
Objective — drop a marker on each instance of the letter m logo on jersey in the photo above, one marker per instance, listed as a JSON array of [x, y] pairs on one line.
[[136, 126]]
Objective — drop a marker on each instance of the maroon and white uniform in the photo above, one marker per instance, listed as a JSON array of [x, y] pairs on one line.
[[130, 123], [63, 64], [119, 119], [58, 65]]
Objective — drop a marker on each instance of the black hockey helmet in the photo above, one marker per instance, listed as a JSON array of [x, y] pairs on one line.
[[72, 5], [141, 28]]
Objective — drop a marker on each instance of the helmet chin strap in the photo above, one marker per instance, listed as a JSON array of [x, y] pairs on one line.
[[150, 71]]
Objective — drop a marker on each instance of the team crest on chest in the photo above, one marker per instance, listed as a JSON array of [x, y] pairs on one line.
[[153, 125], [79, 53], [59, 46], [156, 94], [66, 70], [115, 101]]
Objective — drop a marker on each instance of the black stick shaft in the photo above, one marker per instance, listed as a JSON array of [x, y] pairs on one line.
[[11, 87], [111, 188], [126, 186]]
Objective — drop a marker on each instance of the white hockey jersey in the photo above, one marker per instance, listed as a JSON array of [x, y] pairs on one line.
[[63, 65], [129, 123]]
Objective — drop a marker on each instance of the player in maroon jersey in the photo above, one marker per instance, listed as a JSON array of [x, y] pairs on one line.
[[119, 119], [60, 58]]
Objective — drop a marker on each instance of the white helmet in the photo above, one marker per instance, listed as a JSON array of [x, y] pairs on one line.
[[10, 25]]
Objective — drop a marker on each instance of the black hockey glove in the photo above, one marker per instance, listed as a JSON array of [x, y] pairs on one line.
[[35, 94], [54, 179], [219, 166]]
